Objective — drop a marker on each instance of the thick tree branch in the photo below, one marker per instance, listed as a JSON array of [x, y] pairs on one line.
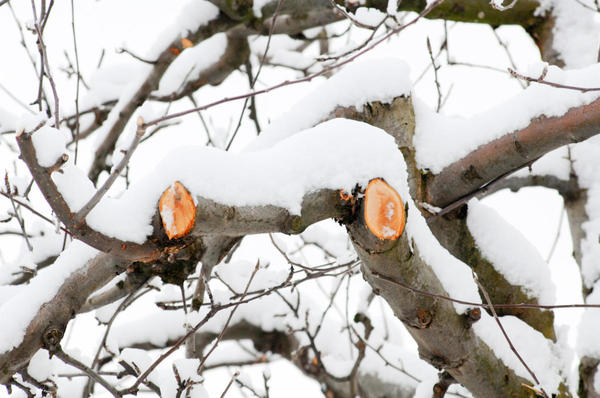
[[479, 11], [48, 325], [445, 339], [511, 152], [215, 218]]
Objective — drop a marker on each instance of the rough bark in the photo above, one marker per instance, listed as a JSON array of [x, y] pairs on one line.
[[216, 218], [511, 152], [48, 326], [444, 337]]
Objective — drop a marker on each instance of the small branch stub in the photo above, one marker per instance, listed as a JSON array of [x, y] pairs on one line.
[[177, 211], [384, 210]]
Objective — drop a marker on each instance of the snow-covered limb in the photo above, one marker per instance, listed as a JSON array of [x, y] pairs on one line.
[[107, 244], [231, 50], [453, 233], [473, 11], [44, 325], [511, 152], [125, 109], [213, 217], [445, 338]]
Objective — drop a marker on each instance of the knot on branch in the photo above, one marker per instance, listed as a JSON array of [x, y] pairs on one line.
[[51, 338], [424, 318], [472, 316], [440, 388], [58, 164], [384, 211]]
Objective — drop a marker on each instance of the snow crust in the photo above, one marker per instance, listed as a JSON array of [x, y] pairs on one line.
[[41, 367], [455, 276], [510, 252], [22, 307], [372, 80], [50, 144], [369, 16], [440, 140]]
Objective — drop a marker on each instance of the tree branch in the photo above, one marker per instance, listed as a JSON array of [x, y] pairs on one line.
[[48, 325], [511, 152], [220, 24], [445, 340], [215, 218], [236, 53], [82, 231]]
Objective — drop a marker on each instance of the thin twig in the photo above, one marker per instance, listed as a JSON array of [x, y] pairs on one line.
[[558, 230], [190, 332], [17, 216], [31, 209], [218, 340], [85, 210], [255, 78], [475, 304], [44, 57], [14, 98], [78, 80], [76, 364], [124, 304], [541, 80], [507, 52], [233, 378], [510, 344], [435, 74], [300, 80]]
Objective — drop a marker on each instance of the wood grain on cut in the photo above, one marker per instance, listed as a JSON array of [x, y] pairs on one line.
[[384, 210], [177, 211]]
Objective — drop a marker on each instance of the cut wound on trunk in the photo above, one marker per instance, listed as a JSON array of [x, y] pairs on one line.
[[177, 211], [384, 210]]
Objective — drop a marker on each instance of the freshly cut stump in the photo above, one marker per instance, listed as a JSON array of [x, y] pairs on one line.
[[177, 211], [384, 210]]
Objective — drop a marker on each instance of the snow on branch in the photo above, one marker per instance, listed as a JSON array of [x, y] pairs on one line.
[[477, 151]]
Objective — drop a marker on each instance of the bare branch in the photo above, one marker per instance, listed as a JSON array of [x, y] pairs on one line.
[[87, 370], [541, 80]]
